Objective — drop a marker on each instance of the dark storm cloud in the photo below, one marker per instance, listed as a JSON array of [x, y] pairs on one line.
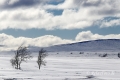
[[107, 12], [25, 3], [20, 3], [100, 6], [87, 3]]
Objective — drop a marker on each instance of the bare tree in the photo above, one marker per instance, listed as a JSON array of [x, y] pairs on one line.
[[21, 55], [42, 54]]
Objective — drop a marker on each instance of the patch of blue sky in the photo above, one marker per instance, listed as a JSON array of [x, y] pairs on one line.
[[65, 34], [110, 18], [56, 12], [56, 2]]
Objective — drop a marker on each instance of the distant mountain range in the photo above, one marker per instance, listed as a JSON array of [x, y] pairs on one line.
[[93, 45]]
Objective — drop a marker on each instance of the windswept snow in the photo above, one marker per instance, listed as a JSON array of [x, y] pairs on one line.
[[64, 66]]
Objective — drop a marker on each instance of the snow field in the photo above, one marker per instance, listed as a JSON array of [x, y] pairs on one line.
[[62, 66]]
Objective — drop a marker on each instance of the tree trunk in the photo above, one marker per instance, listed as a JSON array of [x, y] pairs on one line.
[[17, 66], [39, 67]]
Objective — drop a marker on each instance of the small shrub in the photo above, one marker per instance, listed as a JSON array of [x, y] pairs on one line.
[[103, 55], [81, 53], [66, 79], [119, 55], [90, 76]]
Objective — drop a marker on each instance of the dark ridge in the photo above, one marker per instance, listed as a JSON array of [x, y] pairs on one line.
[[89, 41], [93, 45]]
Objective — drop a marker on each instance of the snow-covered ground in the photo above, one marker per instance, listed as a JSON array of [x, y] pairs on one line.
[[64, 66]]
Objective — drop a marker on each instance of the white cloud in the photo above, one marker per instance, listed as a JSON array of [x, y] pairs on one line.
[[88, 35], [12, 1], [39, 18], [24, 19], [77, 14], [12, 43], [110, 23], [48, 40], [89, 11]]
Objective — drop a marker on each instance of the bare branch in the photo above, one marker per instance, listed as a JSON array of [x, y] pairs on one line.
[[21, 55], [41, 56]]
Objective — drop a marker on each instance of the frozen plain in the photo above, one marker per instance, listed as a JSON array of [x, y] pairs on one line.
[[64, 66]]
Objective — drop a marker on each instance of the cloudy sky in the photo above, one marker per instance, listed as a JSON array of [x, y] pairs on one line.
[[51, 22]]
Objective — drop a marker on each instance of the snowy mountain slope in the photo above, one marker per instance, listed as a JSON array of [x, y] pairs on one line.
[[94, 45]]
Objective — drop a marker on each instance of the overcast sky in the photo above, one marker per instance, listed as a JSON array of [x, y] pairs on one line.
[[51, 22]]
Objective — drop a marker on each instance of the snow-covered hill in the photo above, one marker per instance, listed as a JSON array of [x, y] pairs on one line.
[[94, 45]]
